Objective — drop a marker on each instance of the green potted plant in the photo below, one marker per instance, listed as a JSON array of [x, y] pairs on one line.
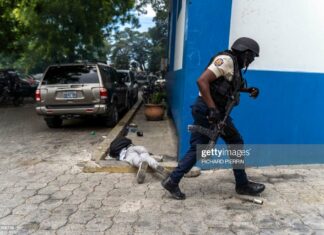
[[155, 105]]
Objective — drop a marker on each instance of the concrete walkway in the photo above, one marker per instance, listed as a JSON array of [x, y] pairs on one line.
[[53, 199], [53, 196], [159, 136]]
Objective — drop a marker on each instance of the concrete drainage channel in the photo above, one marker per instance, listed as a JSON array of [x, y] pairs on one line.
[[98, 162], [101, 151]]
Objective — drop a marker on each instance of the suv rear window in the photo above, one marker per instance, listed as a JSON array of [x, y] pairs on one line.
[[71, 75]]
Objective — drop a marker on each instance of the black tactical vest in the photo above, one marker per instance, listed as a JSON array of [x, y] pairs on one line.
[[221, 89]]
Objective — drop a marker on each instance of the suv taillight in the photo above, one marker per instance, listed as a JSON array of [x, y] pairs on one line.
[[103, 93], [37, 95]]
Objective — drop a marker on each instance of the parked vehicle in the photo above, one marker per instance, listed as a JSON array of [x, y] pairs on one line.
[[142, 79], [161, 82], [152, 78], [26, 89], [34, 79], [13, 88], [128, 77], [81, 90]]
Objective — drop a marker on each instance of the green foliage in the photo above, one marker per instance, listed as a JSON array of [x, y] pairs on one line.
[[40, 32], [129, 45], [8, 29], [36, 33], [146, 48], [159, 34], [157, 97]]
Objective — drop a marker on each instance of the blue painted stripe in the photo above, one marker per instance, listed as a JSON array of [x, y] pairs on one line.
[[207, 32], [289, 110]]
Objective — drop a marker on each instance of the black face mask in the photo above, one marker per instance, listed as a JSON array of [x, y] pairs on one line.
[[245, 58], [248, 58]]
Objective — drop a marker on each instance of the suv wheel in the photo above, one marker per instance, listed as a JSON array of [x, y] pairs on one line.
[[53, 122], [112, 119]]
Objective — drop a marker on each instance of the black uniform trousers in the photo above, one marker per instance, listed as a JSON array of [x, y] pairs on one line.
[[231, 136]]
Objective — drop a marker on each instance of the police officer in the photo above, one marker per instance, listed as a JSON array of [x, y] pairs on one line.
[[215, 86]]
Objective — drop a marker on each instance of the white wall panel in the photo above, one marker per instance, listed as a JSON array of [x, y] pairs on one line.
[[179, 40], [290, 32]]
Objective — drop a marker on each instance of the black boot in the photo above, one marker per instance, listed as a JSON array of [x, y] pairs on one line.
[[173, 188], [250, 188]]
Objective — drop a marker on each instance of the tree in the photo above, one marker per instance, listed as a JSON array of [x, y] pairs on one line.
[[146, 48], [9, 48], [120, 50], [44, 32], [159, 34], [36, 33], [129, 45], [8, 26]]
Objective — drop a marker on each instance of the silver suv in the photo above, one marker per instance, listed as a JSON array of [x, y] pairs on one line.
[[128, 77], [81, 90]]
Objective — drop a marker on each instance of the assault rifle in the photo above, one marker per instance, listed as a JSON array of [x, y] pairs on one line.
[[216, 129]]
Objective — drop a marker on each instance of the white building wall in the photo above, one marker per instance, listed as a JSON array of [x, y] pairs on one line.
[[290, 33], [179, 40]]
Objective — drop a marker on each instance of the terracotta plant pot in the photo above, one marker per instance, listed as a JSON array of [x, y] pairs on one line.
[[154, 112]]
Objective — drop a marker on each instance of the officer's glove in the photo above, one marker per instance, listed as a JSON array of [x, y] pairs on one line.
[[214, 115], [254, 92]]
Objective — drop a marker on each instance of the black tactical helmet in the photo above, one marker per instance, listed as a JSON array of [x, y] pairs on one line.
[[243, 44]]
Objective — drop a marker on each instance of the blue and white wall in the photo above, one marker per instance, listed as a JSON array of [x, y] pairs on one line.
[[289, 71]]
